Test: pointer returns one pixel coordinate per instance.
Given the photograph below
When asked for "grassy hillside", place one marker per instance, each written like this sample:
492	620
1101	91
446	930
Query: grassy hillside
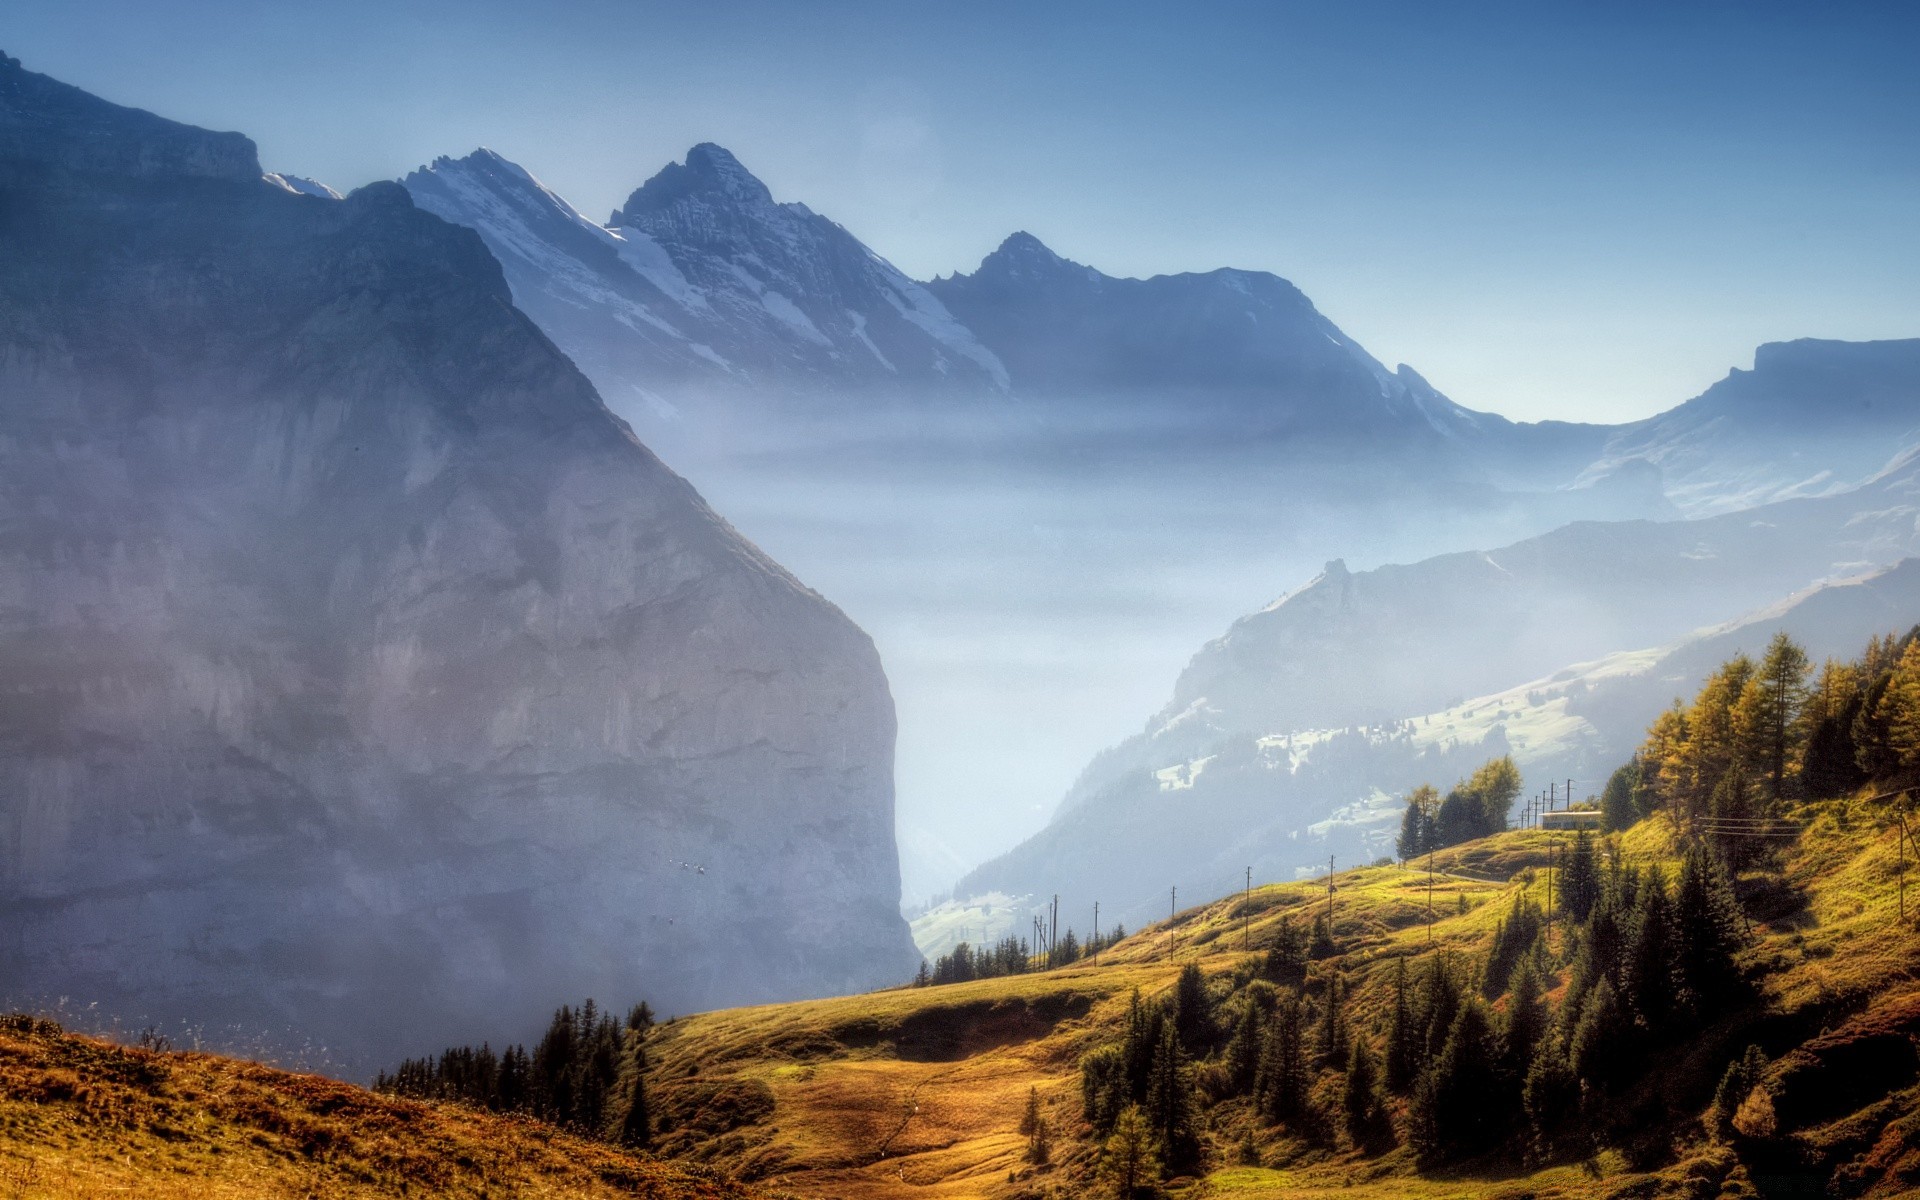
82	1119
920	1092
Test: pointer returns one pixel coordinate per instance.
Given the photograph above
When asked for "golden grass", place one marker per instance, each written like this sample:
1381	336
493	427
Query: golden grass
85	1120
918	1092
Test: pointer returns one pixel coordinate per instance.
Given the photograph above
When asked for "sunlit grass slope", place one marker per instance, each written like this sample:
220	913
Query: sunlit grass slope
86	1120
919	1092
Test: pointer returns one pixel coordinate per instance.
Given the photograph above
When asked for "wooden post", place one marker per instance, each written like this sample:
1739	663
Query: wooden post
1246	916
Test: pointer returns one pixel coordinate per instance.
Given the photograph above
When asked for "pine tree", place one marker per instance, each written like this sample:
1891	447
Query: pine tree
1331	1034
1322	946
1286	962
1708	933
1766	715
1360	1102
1898	712
1649	960
1580	881
1618	809
1192	1011
1467	1107
1439	1004
1873	751
1170	1104
1551	1092
1602	1043
1406	1037
1829	767
1743	1074
1030	1116
1282	1078
634	1126
1243	1048
1040	1144
1103	1086
1130	1163
1416	824
1526	1023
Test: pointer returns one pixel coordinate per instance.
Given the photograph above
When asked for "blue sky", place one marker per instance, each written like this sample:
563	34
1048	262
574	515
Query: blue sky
1586	210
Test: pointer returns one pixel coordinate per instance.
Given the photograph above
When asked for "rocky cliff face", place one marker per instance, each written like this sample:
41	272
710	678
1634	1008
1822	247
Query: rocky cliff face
362	680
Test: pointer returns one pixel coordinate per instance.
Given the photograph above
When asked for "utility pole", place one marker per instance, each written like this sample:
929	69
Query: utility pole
1246	916
1902	818
1553	853
1569	795
1096	923
1429	896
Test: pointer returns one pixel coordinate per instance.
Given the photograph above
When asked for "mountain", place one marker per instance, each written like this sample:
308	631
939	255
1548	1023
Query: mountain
1243	347
1812	417
1292	736
366	678
1046	463
704	300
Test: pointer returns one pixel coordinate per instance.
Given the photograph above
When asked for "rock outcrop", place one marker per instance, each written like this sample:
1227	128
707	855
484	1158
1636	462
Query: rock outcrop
363	681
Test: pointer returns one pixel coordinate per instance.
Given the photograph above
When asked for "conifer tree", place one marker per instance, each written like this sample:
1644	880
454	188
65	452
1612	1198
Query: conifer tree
1282	1082
1649	973
1766	715
1602	1041
1030	1116
1406	1036
1743	1074
1551	1092
1829	767
1287	958
1526	1023
1243	1048
1466	1106
1618	807
1170	1104
1897	712
1192	1011
1331	1033
634	1125
1416	824
1322	946
1360	1102
1708	932
1130	1163
1104	1091
1580	880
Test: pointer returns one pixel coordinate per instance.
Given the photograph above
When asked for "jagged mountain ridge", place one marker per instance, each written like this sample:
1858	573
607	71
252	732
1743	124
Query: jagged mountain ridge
702	283
368	682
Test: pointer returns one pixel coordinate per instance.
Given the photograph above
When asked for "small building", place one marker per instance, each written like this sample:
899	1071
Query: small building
1578	818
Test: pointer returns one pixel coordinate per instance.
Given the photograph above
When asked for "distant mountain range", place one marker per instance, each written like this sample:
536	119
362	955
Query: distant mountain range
1040	453
1295	734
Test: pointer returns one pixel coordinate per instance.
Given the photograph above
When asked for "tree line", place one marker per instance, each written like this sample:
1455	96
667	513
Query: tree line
1474	808
1758	735
1011	956
587	1073
1470	1051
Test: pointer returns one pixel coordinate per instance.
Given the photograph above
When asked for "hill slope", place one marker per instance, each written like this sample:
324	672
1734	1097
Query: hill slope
919	1092
82	1119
